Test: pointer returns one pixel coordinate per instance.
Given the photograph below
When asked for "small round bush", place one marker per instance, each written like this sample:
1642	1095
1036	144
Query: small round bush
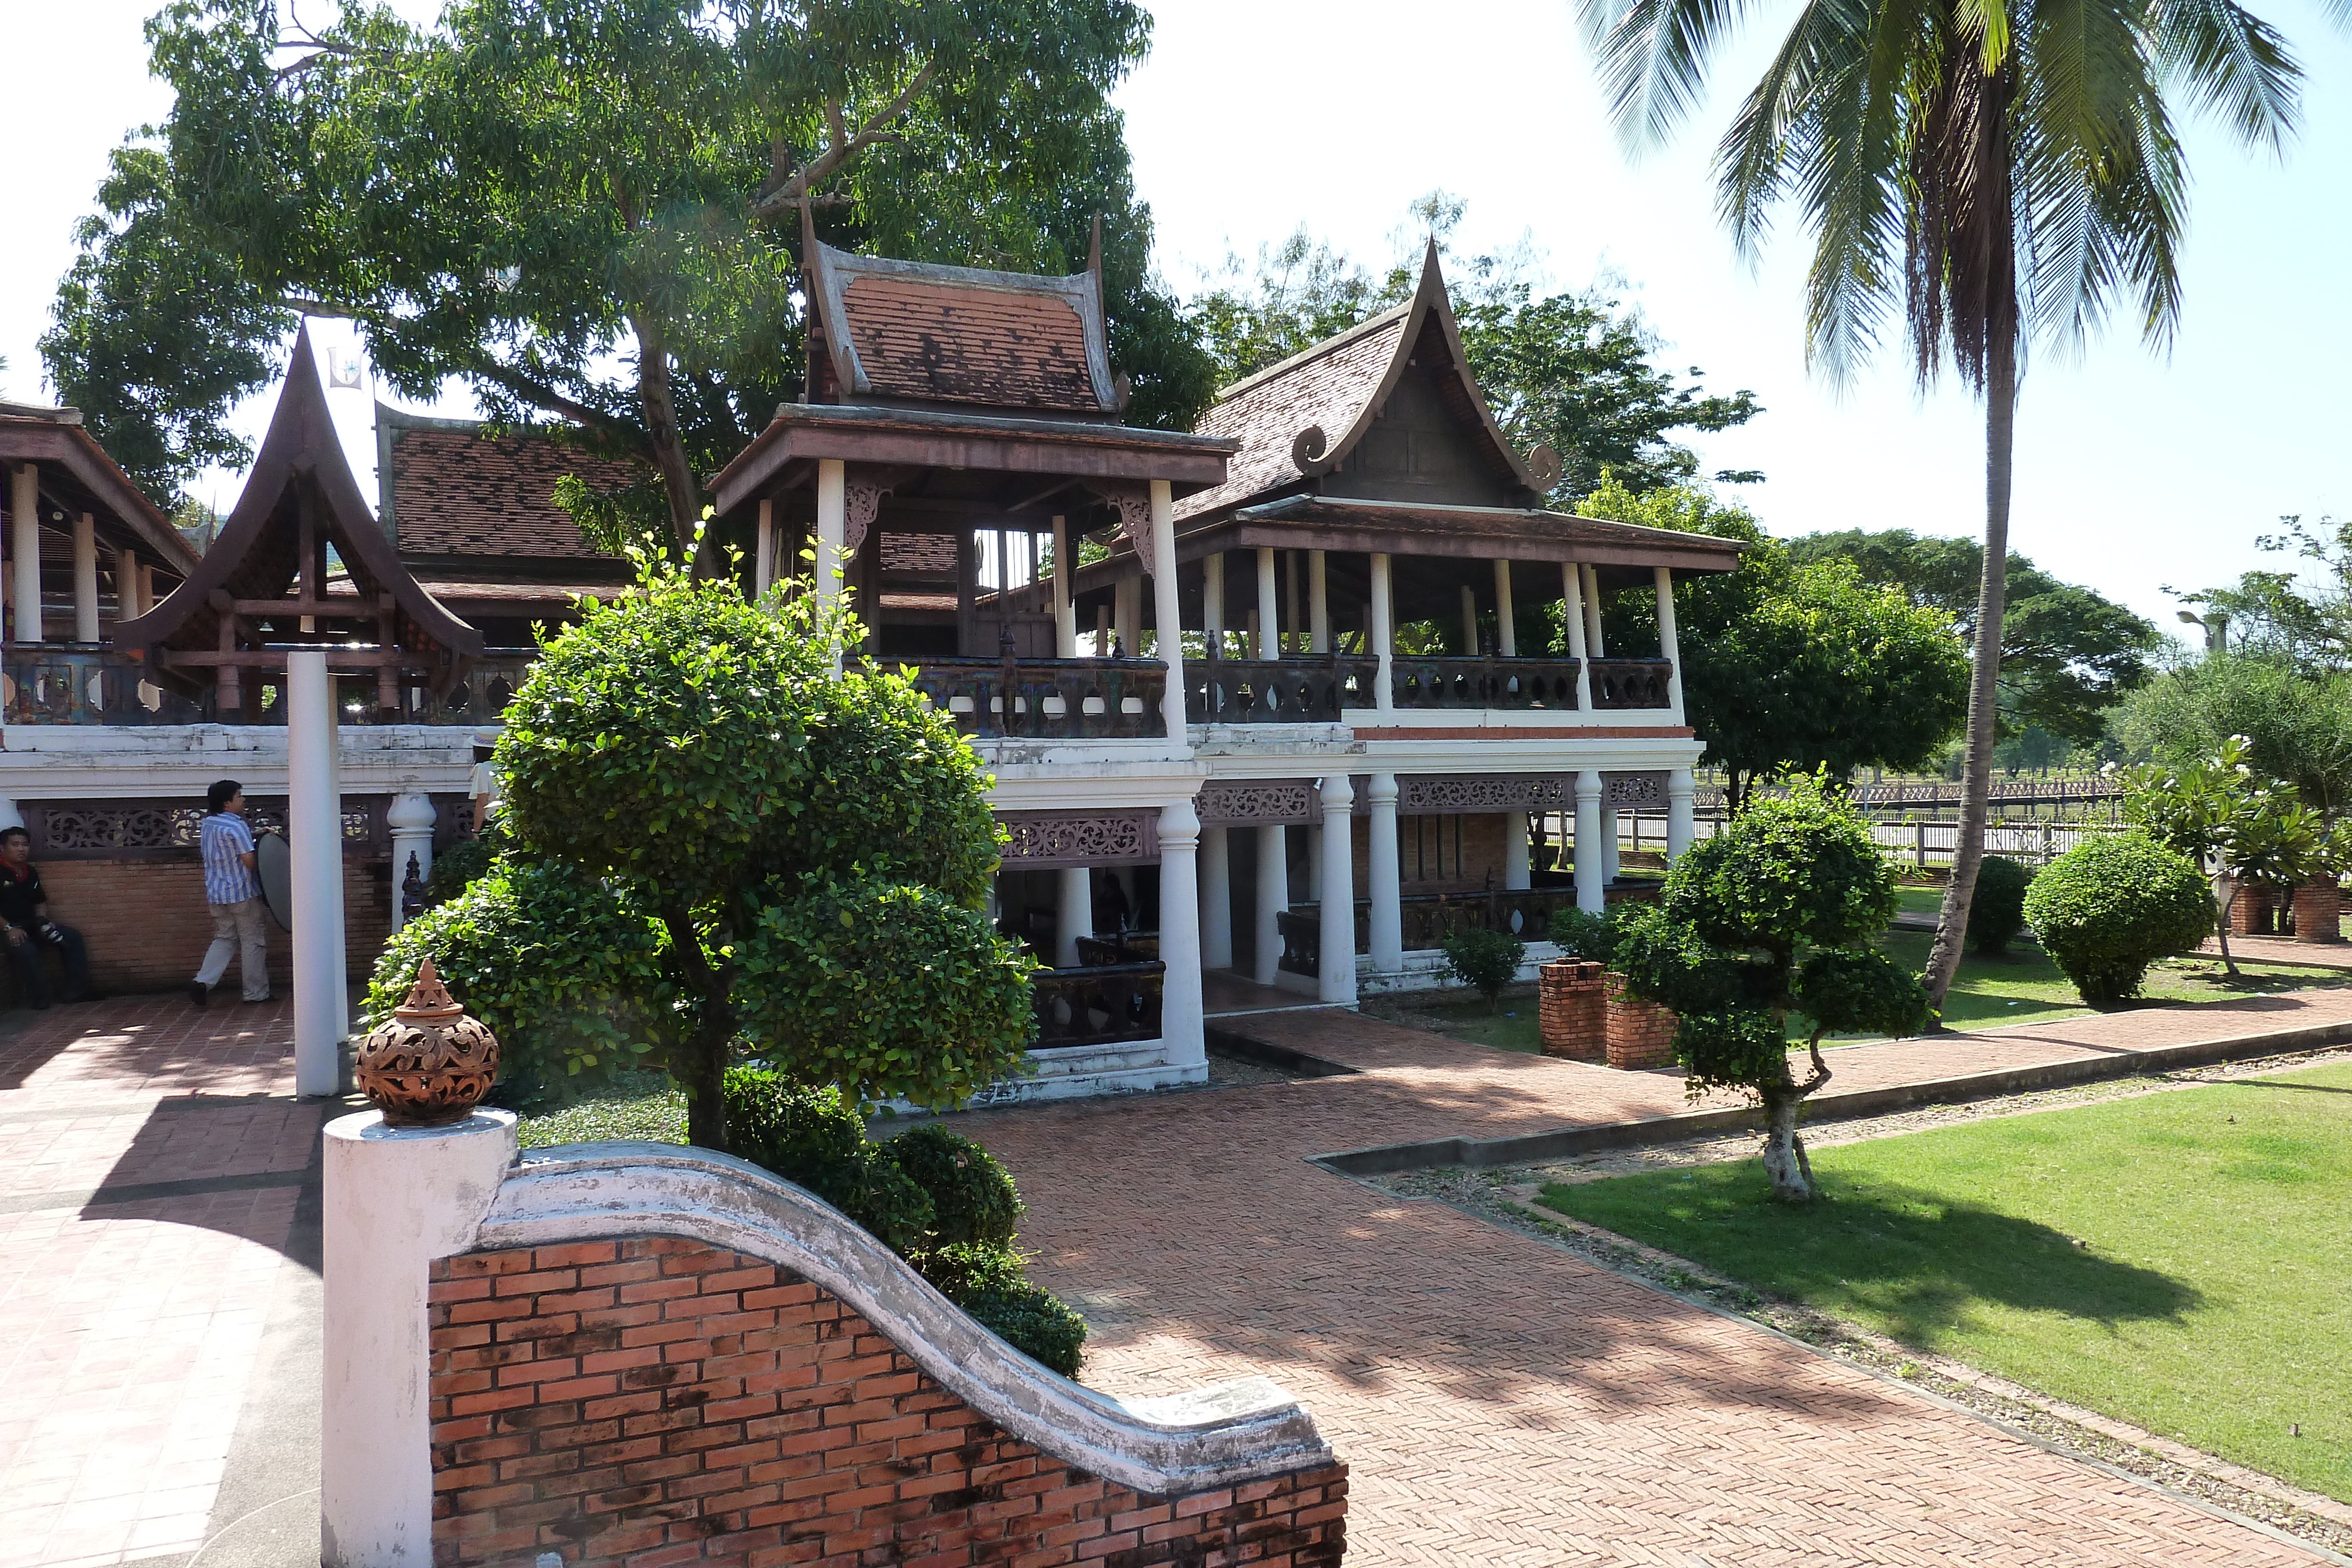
1484	959
1996	913
814	1137
2112	905
989	1281
972	1196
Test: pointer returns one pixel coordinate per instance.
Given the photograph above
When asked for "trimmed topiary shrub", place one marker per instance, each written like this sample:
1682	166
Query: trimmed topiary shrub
2112	905
972	1196
1486	959
990	1281
1996	913
814	1137
1581	935
456	867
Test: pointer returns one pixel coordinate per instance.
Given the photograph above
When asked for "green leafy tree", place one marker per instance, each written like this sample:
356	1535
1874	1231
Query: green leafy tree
1988	174
1805	666
1997	912
2068	654
818	848
1778	914
2302	618
588	211
2297	727
2237	824
1576	371
2112	905
1484	959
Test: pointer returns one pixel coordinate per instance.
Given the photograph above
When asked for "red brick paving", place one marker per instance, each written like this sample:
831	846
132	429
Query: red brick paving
128	1331
1500	1402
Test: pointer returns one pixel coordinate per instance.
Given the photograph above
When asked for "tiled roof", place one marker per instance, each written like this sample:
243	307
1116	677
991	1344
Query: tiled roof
919	555
1328	385
920	338
451	490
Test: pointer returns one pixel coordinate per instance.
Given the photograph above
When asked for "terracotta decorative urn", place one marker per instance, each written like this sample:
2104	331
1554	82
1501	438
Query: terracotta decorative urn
430	1063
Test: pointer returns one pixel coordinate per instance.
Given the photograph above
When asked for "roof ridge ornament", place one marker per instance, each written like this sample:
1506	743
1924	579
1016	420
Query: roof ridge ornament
1544	468
1306	449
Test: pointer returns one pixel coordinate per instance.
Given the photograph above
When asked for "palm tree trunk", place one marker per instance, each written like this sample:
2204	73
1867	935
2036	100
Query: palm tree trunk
1993	603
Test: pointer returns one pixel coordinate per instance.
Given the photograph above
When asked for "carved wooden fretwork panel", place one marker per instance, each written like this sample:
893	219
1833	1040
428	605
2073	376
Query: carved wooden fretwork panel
1134	507
863	500
108	830
1051	840
1441	794
1634	791
1264	804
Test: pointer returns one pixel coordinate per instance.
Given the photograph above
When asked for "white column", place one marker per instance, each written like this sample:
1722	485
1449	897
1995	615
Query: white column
1517	877
314	832
1591	873
1074	913
1669	645
1572	589
395	1199
1681	827
1318	602
1213	600
1384	636
1179	932
1127	599
1336	889
128	605
85	578
1469	623
1216	898
1507	631
1267	631
1168	613
24	506
1273	899
10	817
1593	610
1065	604
411	818
832	525
1382	884
763	557
1608	847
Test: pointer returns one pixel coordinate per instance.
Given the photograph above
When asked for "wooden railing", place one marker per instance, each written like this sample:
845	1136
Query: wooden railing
1427	919
85	683
490	682
1630	682
1484	683
1099	1004
1125	947
1060	699
1310	690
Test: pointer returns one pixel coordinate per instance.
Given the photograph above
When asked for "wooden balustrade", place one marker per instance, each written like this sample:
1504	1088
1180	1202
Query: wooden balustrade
1427	919
1059	699
1630	682
1099	1004
1484	683
85	683
1312	690
1124	947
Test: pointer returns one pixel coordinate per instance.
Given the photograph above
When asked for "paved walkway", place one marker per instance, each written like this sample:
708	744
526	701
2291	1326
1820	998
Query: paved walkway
1501	1402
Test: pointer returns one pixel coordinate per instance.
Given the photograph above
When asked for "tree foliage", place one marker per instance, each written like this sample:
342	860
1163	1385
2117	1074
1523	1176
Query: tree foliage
2112	905
2301	619
2229	820
1997	914
1778	914
2297	727
588	211
1576	371
818	846
2068	654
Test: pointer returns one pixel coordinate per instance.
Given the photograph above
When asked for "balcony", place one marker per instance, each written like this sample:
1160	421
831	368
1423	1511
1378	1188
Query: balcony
1050	699
85	683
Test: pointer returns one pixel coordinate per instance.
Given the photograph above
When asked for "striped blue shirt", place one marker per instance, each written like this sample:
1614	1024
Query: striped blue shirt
228	879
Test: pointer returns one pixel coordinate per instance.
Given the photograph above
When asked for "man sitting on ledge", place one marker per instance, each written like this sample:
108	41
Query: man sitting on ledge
26	908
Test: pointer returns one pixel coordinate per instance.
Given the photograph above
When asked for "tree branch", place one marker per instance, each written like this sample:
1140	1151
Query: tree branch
806	178
532	389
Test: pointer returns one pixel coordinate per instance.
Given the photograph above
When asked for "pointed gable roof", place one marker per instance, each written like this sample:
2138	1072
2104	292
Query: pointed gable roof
1303	418
920	332
300	467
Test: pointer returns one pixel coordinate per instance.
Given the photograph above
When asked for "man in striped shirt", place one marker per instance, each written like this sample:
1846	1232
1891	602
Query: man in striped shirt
232	893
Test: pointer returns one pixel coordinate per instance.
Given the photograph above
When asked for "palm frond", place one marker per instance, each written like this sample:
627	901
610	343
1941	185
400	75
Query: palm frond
1654	56
2224	60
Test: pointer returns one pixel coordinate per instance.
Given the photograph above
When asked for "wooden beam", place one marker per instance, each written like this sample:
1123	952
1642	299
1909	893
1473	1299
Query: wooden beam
351	660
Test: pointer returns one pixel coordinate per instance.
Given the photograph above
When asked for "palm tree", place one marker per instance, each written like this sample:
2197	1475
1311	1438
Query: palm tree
1999	171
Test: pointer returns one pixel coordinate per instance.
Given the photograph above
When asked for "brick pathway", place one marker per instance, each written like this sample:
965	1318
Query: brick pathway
150	1157
1501	1402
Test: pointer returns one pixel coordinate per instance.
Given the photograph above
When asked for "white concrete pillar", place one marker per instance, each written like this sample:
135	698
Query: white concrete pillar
1572	588
1384	636
1592	865
1127	600
1318	602
1216	898
1682	791
25	506
1517	875
1609	846
1266	632
1593	611
1507	631
128	605
1213	600
1382	884
1669	644
1469	623
832	525
395	1199
1181	1008
411	818
1168	612
1074	913
1273	899
1336	888
1065	604
763	559
85	578
314	832
10	817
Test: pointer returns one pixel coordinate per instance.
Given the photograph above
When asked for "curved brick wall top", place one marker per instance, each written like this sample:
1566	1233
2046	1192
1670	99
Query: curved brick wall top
1217	1436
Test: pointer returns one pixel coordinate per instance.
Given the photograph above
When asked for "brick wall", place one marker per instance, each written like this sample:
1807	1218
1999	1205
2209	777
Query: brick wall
1572	1010
2251	913
656	1401
1641	1034
2318	912
147	927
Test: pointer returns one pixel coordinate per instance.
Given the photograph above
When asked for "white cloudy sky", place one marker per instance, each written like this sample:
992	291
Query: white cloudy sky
1254	116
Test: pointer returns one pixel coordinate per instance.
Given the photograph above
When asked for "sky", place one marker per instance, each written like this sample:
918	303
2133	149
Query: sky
2135	471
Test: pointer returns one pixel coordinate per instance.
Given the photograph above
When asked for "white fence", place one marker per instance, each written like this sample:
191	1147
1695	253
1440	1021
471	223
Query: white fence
1920	844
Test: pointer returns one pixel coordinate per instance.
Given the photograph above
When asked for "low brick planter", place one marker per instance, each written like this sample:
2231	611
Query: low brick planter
1572	1010
1641	1034
2319	912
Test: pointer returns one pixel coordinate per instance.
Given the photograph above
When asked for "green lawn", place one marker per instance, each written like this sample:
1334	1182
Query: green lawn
2177	1260
645	1105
